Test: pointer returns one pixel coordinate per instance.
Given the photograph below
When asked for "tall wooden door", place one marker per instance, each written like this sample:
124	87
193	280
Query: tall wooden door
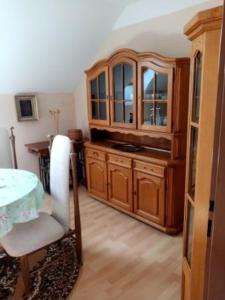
97	178
120	186
216	261
204	32
149	197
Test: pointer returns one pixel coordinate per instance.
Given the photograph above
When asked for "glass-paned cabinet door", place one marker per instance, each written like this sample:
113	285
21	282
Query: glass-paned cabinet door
123	93
98	97
192	153
154	97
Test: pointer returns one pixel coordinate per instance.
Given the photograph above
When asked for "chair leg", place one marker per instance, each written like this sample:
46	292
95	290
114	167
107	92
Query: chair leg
25	272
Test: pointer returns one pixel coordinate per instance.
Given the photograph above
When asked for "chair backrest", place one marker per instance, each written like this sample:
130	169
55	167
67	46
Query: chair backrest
5	150
59	179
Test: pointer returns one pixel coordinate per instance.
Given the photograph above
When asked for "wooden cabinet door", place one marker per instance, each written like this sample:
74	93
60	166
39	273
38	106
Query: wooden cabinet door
98	97
123	93
149	197
155	93
97	178
120	186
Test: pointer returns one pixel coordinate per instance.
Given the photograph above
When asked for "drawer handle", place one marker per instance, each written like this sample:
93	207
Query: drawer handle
95	153
119	161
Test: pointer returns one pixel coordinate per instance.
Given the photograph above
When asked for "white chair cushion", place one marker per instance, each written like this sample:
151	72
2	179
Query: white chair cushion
59	179
28	237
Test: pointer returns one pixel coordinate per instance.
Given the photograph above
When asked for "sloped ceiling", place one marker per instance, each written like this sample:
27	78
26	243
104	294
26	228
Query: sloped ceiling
45	45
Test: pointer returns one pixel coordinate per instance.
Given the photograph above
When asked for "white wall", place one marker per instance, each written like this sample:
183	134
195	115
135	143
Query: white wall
34	131
45	45
162	34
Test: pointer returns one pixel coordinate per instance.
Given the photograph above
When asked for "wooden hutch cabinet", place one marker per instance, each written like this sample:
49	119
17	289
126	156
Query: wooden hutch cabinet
204	30
145	101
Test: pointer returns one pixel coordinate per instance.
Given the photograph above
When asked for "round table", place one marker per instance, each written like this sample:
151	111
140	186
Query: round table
21	198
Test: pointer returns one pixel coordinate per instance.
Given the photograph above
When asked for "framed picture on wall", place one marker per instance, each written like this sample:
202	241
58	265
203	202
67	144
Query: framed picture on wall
26	107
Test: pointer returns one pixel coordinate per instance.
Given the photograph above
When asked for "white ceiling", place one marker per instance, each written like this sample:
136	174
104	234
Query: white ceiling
121	2
46	44
142	10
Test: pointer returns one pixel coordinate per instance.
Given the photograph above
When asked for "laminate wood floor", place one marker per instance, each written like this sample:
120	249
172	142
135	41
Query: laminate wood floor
125	259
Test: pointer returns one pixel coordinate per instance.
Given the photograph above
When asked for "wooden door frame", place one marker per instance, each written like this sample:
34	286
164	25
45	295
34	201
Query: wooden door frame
216	263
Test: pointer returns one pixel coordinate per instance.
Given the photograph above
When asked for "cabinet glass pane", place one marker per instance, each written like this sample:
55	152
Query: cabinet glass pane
102	86
190	225
128	82
94	107
193	157
197	87
148	76
161	114
102	110
161	86
118	82
94	89
118	112
148	113
128	106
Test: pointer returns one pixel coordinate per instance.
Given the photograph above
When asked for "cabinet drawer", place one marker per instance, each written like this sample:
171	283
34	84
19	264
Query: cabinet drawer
92	153
120	160
149	168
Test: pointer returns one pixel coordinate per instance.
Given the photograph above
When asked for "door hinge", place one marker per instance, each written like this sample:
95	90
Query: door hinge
210	221
209	230
211	205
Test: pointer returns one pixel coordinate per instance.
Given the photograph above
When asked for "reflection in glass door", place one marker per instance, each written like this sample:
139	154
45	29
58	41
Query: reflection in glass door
155	96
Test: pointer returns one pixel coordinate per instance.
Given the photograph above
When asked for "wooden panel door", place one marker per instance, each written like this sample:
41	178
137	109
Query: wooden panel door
123	92
120	186
204	31
155	93
98	97
97	178
149	197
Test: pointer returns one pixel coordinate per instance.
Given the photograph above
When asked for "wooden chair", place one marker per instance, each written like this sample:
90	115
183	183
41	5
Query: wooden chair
7	152
30	237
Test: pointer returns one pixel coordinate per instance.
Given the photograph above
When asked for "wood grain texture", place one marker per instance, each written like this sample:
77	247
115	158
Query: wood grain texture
204	31
159	203
125	259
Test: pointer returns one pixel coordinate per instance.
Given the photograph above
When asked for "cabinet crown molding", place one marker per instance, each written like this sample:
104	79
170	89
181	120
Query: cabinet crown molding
203	21
136	56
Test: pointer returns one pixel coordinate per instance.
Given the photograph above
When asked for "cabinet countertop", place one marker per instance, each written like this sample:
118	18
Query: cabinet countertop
147	155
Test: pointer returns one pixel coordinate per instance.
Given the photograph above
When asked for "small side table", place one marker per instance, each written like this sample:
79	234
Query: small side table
41	150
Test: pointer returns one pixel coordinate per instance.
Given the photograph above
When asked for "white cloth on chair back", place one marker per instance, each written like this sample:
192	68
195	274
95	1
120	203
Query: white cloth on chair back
59	179
5	150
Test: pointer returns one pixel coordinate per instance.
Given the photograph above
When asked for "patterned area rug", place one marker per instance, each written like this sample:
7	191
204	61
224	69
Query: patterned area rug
9	270
52	278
